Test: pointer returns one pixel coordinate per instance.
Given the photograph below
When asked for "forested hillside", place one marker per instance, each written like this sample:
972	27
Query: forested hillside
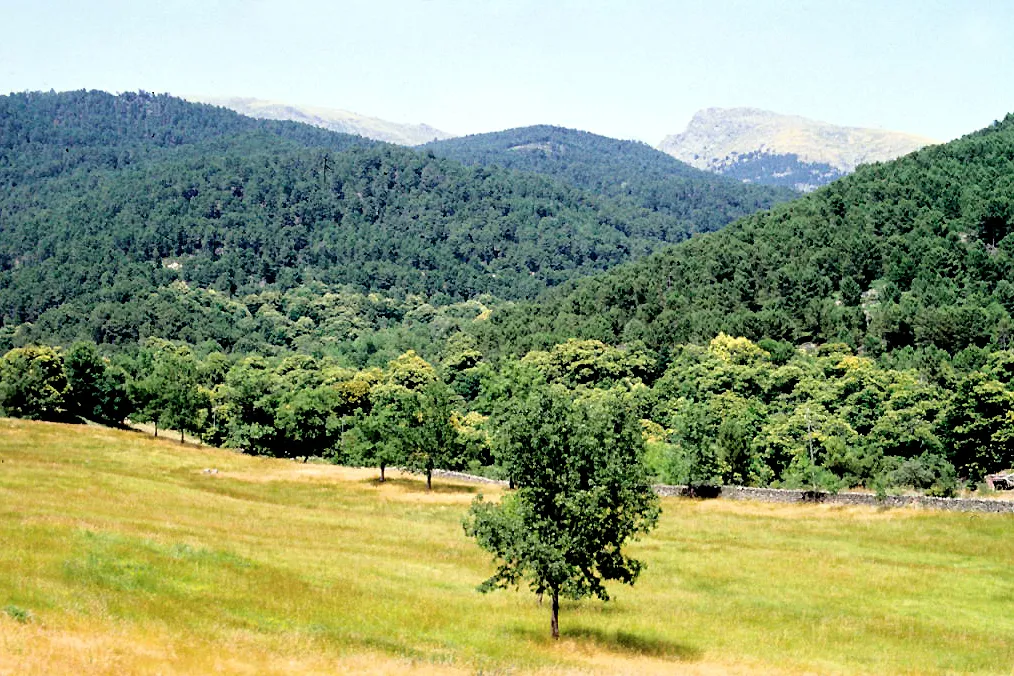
352	300
912	254
764	168
112	200
46	134
697	201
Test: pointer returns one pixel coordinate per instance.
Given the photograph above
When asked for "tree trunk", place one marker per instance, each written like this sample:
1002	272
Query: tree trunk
181	436
156	429
556	615
429	479
381	472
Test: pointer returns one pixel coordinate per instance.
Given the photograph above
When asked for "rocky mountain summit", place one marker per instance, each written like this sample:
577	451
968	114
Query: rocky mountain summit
758	146
334	119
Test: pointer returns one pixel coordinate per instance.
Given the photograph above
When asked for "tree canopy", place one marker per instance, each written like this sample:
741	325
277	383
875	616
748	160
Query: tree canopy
914	253
136	216
694	200
582	491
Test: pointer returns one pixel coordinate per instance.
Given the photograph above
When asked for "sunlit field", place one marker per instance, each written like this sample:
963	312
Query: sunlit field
120	554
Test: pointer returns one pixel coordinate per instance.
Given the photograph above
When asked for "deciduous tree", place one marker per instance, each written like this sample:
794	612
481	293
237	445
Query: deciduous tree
582	493
32	383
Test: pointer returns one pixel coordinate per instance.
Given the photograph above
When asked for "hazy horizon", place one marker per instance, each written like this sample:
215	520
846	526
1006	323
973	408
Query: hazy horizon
636	70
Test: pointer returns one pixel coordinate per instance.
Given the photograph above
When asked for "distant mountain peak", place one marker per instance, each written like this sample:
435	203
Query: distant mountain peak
335	119
765	147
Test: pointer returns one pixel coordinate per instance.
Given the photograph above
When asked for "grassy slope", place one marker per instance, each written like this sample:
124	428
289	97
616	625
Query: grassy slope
132	560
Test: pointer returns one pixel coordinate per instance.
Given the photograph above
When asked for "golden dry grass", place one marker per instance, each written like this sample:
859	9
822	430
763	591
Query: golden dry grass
130	559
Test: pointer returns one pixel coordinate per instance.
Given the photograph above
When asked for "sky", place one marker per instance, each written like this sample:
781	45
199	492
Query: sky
634	69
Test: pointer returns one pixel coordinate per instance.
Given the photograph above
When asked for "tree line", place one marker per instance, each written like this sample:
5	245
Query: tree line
731	412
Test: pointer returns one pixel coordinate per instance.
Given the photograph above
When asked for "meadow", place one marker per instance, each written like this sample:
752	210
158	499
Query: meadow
120	554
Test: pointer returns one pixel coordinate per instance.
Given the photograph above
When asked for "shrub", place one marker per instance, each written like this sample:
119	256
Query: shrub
18	614
928	472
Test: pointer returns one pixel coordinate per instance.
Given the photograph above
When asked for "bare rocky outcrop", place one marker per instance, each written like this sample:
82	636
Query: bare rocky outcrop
722	139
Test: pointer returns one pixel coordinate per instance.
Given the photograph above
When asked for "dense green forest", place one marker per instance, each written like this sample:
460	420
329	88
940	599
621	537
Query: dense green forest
631	171
109	201
47	134
288	291
911	255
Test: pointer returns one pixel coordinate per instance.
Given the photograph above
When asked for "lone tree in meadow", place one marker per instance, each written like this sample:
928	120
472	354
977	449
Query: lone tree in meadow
582	492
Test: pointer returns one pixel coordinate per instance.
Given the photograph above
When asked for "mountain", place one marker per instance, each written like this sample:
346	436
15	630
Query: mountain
342	121
758	146
137	215
691	200
48	135
914	254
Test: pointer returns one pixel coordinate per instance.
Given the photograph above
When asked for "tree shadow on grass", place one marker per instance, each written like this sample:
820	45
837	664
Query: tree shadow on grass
623	642
419	485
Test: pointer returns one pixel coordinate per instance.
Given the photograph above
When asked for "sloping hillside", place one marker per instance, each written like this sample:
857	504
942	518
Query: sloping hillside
126	555
915	253
758	146
43	134
628	170
111	201
333	119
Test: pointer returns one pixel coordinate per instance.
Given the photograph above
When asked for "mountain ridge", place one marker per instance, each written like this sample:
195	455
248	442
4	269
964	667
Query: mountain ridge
629	170
333	119
111	202
766	147
913	254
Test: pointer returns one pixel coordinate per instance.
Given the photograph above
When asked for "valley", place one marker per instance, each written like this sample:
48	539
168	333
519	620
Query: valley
576	315
507	338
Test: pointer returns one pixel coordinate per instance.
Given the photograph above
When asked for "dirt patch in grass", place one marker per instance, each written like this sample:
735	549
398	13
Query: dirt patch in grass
399	486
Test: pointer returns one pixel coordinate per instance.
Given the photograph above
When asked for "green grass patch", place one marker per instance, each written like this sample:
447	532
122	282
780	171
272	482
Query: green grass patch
121	544
18	614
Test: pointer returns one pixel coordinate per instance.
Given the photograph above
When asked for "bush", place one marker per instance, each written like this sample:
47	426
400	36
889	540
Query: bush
18	614
928	472
815	479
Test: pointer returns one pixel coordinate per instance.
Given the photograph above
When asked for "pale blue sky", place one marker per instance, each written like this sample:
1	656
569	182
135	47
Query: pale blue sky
636	69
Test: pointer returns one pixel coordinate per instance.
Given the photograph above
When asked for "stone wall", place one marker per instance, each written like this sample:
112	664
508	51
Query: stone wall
801	496
461	476
867	499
